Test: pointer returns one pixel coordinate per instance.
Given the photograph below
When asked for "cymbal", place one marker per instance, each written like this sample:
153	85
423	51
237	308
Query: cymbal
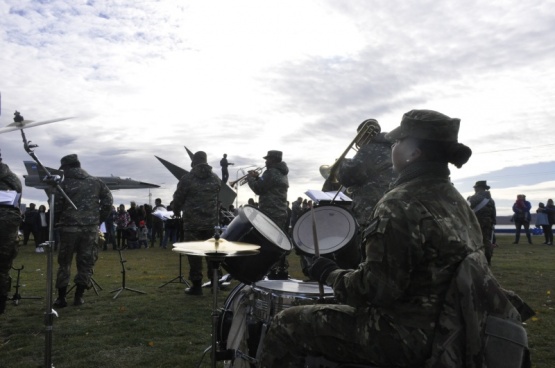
214	248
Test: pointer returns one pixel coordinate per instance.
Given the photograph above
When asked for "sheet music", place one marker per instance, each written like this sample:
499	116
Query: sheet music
9	197
321	196
163	214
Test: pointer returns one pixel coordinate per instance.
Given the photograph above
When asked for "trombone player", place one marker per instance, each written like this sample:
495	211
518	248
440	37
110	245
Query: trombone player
271	187
365	177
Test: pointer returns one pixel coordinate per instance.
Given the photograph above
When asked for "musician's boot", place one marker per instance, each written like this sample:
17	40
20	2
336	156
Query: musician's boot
61	300
196	289
78	300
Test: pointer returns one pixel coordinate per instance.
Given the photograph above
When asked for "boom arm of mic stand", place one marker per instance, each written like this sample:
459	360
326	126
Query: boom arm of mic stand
52	180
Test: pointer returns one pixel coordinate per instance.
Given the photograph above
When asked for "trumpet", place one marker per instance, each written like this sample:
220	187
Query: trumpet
368	130
243	179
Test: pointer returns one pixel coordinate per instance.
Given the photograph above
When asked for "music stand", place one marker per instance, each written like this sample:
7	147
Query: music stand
178	279
123	287
16	296
216	250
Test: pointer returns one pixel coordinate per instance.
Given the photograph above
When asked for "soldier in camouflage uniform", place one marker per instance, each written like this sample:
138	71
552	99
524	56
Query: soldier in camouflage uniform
484	207
78	227
10	218
272	189
197	196
418	234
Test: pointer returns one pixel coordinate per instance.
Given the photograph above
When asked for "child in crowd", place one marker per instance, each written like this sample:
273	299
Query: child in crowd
142	234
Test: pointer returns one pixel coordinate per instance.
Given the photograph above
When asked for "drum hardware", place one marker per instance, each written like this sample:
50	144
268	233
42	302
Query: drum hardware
16	296
216	250
369	129
54	182
123	287
179	278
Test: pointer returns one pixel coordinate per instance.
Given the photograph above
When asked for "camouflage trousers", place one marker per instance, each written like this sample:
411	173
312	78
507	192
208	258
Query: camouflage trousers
487	235
82	242
9	225
195	262
342	334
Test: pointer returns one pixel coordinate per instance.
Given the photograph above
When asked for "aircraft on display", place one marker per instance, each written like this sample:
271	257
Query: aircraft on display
227	195
35	174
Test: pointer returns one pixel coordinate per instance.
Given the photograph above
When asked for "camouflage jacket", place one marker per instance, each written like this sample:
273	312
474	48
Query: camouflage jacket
197	196
272	188
8	180
367	177
419	233
487	214
90	195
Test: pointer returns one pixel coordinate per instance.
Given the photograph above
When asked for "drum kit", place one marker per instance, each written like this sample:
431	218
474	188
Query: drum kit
250	245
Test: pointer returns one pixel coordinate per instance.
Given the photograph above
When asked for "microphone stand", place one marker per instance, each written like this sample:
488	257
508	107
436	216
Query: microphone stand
54	182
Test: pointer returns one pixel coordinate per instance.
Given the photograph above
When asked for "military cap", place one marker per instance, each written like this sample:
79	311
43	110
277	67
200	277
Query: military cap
199	158
69	159
481	184
426	124
274	154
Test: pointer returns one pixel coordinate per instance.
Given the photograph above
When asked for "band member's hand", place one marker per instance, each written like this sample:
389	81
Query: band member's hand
321	268
254	173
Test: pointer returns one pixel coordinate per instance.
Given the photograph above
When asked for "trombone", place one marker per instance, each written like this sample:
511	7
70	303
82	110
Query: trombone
368	130
243	179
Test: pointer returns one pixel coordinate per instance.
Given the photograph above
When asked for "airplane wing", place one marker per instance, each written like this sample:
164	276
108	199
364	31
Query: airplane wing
227	195
28	124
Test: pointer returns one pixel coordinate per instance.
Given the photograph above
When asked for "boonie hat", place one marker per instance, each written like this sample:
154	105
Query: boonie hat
426	124
274	154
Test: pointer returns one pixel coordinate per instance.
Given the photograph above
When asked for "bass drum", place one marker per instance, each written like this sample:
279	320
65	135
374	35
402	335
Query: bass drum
249	310
337	232
254	227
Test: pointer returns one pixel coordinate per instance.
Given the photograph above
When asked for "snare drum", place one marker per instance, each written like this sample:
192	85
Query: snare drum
254	227
337	232
249	310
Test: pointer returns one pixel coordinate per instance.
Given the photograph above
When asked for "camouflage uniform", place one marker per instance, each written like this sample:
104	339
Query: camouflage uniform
79	227
10	218
419	233
197	196
486	217
367	177
272	188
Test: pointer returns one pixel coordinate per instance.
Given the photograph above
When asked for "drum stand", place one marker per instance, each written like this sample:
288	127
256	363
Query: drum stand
178	279
17	297
123	287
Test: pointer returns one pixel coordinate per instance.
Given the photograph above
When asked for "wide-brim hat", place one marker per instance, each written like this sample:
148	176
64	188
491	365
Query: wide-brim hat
278	155
426	124
481	184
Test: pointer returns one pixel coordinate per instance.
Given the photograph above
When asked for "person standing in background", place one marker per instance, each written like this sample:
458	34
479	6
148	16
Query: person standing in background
484	207
522	217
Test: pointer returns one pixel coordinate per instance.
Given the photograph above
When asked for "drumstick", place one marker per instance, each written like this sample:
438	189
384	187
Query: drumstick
316	250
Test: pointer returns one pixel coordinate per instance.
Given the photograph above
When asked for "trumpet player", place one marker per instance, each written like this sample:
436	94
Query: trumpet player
271	187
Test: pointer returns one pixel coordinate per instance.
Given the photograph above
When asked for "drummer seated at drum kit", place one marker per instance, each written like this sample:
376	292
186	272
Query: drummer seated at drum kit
424	266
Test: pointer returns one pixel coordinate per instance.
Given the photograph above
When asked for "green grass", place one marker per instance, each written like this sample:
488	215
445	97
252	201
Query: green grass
165	328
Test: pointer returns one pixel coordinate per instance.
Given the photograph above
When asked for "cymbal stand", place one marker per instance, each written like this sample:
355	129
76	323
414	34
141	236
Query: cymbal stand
54	182
178	279
123	287
16	296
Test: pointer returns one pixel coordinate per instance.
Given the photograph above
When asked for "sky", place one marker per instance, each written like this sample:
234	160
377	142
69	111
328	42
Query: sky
146	78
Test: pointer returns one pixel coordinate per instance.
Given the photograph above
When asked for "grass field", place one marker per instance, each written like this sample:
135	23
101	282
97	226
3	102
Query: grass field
164	328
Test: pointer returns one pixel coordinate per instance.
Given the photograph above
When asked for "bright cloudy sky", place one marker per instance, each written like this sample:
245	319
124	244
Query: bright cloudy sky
145	78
